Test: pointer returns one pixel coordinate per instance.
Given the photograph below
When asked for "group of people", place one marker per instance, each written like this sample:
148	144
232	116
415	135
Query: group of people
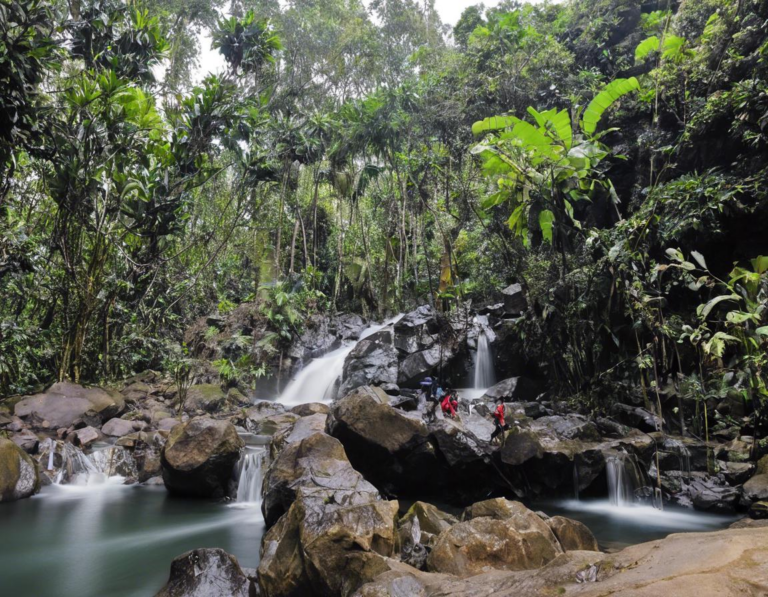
433	393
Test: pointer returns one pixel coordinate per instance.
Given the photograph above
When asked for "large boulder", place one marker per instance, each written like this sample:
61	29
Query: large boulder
208	572
389	446
320	547
205	397
635	416
373	361
495	535
18	473
64	403
572	534
514	299
120	427
431	522
317	462
199	458
514	389
418	365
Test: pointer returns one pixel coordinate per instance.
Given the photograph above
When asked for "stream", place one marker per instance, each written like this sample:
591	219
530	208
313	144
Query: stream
105	539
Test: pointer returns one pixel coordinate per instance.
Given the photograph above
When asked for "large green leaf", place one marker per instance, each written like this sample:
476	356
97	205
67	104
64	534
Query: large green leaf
494	123
546	223
558	124
645	47
704	310
604	100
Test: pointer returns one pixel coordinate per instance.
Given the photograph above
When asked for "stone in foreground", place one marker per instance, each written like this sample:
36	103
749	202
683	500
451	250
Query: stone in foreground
206	573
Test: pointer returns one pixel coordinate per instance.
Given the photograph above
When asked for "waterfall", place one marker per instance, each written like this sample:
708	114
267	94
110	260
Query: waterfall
623	479
484	374
78	468
317	381
251	467
683	455
576	481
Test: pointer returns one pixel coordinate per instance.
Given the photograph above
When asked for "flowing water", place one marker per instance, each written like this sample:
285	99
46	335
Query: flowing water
250	474
484	373
317	382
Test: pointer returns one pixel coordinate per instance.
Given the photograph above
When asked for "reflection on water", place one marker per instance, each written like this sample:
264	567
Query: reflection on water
112	540
615	527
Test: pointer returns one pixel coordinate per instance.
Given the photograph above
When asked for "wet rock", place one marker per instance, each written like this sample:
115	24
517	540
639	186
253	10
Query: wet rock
63	403
321	547
205	397
85	436
756	489
26	440
572	534
272	424
419	365
418	322
389	446
514	389
372	362
311	408
495	535
711	495
610	428
514	299
318	462
206	573
18	473
575	427
635	416
199	458
301	429
736	473
737	450
119	427
236	398
431	522
349	326
520	447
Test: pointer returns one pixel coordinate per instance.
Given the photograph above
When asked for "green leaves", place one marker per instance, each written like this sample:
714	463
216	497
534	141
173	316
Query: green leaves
704	310
645	47
493	124
604	100
546	223
674	48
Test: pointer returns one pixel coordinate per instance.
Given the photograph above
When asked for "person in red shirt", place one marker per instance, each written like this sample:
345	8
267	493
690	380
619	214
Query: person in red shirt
448	405
499	423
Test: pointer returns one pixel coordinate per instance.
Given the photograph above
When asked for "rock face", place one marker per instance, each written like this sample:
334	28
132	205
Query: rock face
205	397
514	299
206	573
199	457
64	403
495	535
373	361
431	522
635	416
572	535
390	447
315	463
18	473
514	389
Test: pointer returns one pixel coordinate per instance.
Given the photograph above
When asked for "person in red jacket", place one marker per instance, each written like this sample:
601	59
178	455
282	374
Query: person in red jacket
448	405
499	423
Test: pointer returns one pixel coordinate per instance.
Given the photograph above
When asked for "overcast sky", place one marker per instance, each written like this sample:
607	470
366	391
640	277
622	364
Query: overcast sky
450	11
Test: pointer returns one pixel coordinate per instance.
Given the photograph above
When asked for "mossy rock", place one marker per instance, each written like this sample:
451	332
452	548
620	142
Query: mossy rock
206	397
18	474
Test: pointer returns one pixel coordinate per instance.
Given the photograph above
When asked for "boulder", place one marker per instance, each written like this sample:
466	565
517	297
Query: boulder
205	397
26	440
272	424
321	547
711	495
371	362
349	326
316	462
514	299
635	416
758	510
736	473
208	572
18	473
514	389
84	437
520	447
756	489
495	535
389	446
311	408
199	458
431	522
423	320
301	429
64	403
119	427
572	535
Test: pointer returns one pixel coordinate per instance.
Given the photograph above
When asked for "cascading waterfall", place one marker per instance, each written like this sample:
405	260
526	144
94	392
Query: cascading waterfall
484	373
78	468
623	479
683	454
317	381
253	463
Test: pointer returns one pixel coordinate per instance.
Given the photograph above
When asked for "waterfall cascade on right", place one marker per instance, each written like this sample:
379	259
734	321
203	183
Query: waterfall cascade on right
623	479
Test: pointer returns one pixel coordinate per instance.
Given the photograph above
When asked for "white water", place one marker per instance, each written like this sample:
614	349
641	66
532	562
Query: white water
621	480
251	467
317	381
484	373
98	468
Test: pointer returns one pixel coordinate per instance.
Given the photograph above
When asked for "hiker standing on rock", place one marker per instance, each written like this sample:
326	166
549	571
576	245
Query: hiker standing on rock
499	422
429	386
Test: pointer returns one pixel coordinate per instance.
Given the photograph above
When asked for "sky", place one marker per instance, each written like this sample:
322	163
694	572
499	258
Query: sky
449	10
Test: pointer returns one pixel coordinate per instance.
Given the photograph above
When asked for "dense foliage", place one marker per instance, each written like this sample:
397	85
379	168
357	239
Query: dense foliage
609	157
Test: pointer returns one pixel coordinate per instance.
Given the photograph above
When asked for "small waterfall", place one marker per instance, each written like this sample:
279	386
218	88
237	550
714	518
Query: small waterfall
575	481
69	465
683	455
317	381
623	479
484	374
250	474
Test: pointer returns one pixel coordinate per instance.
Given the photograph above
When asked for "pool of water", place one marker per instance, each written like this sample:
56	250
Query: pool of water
113	540
616	527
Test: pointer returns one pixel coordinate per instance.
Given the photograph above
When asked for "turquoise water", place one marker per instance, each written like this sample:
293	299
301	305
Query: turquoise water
113	540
